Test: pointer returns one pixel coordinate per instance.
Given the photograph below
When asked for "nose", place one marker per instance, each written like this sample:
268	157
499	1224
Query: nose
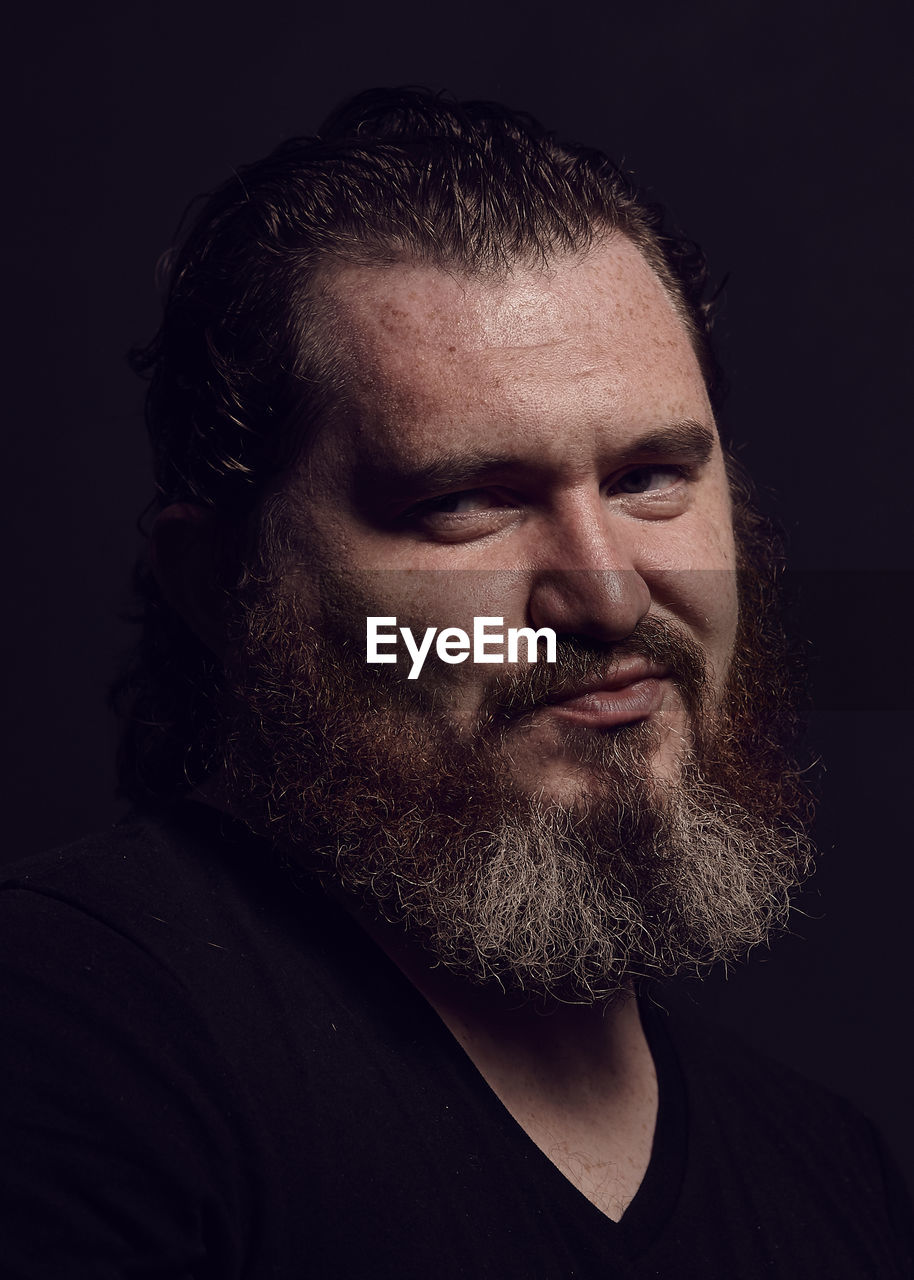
585	582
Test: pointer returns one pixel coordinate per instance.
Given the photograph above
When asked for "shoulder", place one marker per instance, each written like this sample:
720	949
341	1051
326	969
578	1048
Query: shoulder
144	855
736	1083
791	1145
191	1037
173	889
112	931
718	1062
160	932
193	916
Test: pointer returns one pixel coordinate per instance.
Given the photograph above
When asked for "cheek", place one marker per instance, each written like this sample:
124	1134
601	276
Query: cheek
419	600
695	584
705	602
718	601
713	601
719	589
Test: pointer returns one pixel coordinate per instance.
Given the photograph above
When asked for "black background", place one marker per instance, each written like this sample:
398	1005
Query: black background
779	135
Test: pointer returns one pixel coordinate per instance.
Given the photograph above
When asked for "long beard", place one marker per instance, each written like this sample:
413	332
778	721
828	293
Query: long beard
364	780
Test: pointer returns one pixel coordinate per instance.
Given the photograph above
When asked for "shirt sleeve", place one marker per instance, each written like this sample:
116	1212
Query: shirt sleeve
115	1152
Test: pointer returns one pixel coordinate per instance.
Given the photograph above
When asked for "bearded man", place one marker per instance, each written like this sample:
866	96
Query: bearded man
362	987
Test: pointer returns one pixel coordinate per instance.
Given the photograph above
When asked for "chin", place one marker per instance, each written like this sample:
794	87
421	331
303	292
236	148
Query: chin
666	764
573	779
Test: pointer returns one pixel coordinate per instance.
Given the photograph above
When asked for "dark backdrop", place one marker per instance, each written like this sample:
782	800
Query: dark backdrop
779	135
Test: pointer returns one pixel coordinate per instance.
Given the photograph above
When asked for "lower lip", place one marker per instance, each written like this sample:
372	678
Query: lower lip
605	708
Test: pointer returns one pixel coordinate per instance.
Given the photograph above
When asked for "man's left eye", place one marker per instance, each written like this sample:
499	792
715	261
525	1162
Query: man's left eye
647	479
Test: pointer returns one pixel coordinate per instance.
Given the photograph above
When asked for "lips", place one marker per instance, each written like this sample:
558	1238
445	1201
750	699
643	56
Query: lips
630	692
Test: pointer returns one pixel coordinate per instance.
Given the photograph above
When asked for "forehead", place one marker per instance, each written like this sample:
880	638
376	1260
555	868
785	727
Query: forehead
437	354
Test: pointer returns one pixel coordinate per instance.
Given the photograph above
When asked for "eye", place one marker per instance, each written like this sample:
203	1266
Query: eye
462	516
648	479
468	502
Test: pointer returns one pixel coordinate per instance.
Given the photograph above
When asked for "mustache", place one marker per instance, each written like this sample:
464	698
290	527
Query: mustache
519	692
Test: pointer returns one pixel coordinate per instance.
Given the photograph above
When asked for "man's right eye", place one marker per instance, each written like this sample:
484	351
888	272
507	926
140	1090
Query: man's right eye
467	502
461	516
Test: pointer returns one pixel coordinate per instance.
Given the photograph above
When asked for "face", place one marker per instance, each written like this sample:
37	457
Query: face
539	449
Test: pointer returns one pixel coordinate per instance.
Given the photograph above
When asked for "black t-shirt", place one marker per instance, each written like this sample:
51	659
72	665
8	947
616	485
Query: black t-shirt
207	1070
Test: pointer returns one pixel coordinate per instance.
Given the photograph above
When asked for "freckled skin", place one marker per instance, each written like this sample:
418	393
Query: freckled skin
559	371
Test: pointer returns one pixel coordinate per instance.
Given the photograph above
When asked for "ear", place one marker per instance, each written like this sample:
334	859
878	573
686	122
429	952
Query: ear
186	555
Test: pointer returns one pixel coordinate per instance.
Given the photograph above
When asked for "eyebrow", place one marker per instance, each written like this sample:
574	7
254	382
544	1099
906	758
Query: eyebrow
688	441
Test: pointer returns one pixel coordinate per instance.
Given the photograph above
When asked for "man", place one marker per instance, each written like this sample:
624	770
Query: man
365	988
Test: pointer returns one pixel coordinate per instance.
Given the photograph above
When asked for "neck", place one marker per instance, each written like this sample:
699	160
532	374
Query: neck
578	1079
565	1046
